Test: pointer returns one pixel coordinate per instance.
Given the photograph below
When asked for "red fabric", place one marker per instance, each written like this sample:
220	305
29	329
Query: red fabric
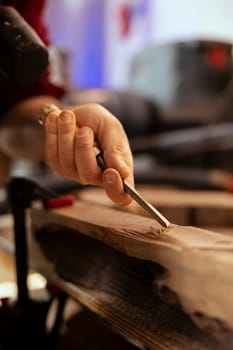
11	93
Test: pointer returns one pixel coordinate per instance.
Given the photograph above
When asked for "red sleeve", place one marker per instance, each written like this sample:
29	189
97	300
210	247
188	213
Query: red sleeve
32	11
12	93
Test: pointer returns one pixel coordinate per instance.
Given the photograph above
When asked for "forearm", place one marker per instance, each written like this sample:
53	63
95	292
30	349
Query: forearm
66	142
20	134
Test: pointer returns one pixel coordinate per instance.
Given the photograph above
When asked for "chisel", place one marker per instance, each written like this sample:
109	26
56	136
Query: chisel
101	163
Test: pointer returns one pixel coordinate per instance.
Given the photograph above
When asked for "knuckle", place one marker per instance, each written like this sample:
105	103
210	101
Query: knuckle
65	129
84	145
117	152
117	148
89	178
67	163
89	107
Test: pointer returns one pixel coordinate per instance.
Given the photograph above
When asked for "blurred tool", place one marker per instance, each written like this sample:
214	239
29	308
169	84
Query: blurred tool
186	141
208	146
23	56
192	81
191	178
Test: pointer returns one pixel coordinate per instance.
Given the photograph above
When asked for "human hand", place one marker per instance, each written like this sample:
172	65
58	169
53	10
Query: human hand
70	136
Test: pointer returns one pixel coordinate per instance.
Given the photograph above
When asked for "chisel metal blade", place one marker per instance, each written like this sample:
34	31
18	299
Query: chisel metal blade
133	193
145	205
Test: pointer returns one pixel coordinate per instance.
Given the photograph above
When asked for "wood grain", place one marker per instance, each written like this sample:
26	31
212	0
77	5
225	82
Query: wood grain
183	207
198	263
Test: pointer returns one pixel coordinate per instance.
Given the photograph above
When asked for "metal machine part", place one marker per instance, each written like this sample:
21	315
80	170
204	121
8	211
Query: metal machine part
23	56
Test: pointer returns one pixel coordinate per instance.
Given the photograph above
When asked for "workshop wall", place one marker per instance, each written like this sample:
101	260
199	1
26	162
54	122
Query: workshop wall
102	37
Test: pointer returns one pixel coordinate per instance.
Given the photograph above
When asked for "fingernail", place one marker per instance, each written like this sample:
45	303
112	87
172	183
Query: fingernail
51	118
66	117
109	179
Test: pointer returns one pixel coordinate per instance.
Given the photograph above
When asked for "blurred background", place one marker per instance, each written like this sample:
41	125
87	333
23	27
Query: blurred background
105	39
163	67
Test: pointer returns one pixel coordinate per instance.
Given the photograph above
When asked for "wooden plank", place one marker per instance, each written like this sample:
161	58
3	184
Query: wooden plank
197	263
117	288
184	207
7	267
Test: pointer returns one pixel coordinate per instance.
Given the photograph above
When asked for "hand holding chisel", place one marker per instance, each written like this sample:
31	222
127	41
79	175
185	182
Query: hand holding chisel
120	182
70	136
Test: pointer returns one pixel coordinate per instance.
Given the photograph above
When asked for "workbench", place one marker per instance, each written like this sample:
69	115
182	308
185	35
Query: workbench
114	283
